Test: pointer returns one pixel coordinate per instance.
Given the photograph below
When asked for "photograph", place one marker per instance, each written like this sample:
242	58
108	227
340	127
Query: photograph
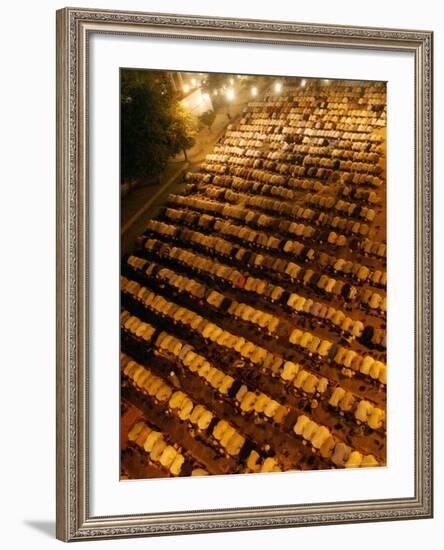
253	246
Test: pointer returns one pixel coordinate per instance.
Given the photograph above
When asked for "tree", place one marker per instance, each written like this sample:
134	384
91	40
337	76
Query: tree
215	81
207	118
184	129
154	127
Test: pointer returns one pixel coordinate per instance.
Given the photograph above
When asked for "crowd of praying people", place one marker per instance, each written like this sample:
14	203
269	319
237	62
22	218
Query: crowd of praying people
253	308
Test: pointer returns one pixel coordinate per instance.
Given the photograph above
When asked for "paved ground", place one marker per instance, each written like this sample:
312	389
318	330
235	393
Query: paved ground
143	203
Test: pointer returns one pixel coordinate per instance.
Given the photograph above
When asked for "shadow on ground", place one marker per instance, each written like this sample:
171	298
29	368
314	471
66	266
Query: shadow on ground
47	527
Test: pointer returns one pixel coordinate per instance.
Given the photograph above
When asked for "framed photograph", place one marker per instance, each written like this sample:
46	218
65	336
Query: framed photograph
244	274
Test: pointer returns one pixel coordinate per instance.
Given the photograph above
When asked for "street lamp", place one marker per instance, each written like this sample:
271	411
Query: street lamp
229	94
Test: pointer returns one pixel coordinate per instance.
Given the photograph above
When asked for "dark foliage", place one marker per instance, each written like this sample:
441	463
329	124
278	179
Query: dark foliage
154	127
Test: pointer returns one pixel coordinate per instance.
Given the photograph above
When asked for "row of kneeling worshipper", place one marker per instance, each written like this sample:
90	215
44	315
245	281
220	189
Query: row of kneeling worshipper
270	159
250	401
338	452
233	188
340	355
156	445
244	398
261	239
266	321
172	456
167	455
309	145
262	287
321	282
247	400
219	431
331	264
303	164
227	436
337	353
251	194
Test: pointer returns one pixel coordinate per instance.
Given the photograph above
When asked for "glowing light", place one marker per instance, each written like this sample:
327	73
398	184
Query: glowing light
186	88
193	82
206	97
230	94
239	76
215	92
254	91
231	81
278	87
303	83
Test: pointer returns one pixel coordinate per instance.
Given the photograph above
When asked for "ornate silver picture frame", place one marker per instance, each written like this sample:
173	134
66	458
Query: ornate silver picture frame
74	519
